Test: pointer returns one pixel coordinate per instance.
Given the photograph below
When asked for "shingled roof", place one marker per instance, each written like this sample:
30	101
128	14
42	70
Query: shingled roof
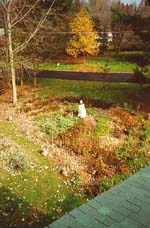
126	205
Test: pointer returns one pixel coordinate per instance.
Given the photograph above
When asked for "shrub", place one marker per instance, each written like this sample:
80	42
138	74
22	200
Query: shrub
142	74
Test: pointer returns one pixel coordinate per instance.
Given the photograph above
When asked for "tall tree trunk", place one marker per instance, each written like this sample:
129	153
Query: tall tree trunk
7	9
11	57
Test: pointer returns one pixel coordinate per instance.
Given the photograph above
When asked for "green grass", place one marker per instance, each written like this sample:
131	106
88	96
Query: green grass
93	64
106	92
34	197
9	129
112	65
53	66
109	182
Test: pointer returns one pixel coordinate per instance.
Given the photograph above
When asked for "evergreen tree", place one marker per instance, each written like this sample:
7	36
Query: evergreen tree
84	37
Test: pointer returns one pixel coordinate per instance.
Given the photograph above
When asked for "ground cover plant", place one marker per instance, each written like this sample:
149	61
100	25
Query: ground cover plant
57	161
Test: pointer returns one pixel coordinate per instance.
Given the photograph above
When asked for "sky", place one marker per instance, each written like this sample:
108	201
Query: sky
127	1
131	1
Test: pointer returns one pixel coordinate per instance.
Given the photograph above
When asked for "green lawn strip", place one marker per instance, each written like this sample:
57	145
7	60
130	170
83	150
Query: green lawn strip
112	65
98	64
38	188
41	192
57	66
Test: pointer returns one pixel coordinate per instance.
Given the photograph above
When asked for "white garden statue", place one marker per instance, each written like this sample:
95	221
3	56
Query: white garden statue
81	110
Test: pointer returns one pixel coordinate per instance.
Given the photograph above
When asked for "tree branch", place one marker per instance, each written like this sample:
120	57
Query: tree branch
25	43
20	11
25	15
3	6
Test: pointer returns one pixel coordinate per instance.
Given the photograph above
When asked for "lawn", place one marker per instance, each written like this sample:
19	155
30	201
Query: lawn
30	196
51	161
97	64
108	93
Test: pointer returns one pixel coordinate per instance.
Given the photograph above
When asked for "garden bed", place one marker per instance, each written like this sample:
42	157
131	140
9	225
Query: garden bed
57	160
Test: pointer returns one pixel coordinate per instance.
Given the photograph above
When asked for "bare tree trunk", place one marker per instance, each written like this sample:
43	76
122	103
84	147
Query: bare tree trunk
35	81
11	57
7	10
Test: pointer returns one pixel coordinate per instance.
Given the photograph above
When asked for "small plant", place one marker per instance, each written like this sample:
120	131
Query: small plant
76	180
18	161
109	182
12	156
103	125
54	123
105	68
90	111
123	152
138	161
142	74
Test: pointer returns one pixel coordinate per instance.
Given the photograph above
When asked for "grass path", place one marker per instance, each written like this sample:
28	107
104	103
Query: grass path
35	196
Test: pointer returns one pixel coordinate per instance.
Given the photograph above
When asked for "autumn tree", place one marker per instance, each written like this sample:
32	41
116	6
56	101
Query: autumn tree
83	39
15	14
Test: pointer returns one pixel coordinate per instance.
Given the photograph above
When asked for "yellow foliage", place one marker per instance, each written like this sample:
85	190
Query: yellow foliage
84	37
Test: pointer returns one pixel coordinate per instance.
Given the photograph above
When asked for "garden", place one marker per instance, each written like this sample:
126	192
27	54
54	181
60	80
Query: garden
52	161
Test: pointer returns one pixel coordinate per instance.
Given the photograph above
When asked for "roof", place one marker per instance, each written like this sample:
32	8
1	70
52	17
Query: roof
126	205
